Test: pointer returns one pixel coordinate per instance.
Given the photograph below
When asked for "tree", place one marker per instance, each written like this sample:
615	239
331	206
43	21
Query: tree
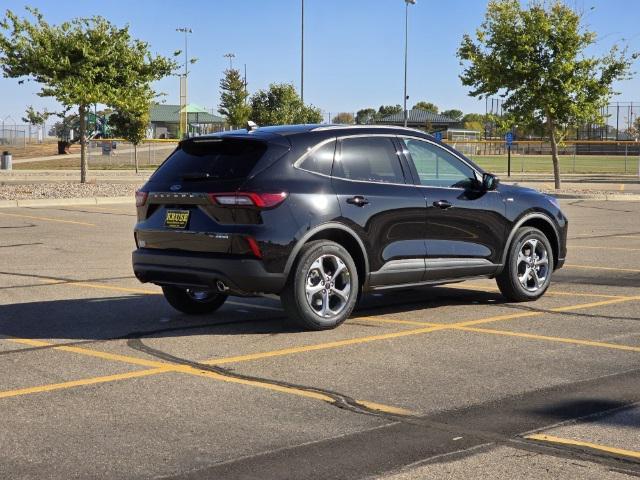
35	118
474	121
80	62
343	117
365	116
281	105
131	125
386	110
426	106
233	98
535	58
453	114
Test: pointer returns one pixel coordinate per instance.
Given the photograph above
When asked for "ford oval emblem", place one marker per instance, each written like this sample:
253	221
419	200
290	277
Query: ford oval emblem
173	188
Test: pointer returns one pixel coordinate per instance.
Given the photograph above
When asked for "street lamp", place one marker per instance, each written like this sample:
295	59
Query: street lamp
406	41
183	84
230	56
186	31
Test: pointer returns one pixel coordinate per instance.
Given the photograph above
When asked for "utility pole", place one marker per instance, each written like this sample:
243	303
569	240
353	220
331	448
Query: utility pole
302	53
406	48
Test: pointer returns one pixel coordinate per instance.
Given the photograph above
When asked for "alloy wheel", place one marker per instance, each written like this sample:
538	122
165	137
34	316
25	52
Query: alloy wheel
328	285
532	265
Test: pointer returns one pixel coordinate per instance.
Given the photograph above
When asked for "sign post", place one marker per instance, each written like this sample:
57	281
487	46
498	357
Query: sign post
508	138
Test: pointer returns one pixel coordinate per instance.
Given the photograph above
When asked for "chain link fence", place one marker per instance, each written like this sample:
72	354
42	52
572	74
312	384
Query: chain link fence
579	157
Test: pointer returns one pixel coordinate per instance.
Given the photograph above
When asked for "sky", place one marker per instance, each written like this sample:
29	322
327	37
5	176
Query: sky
354	49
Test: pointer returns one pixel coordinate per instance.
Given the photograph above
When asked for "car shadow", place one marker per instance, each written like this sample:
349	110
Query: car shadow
97	319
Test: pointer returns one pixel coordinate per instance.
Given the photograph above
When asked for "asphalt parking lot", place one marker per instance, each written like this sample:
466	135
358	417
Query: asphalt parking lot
100	378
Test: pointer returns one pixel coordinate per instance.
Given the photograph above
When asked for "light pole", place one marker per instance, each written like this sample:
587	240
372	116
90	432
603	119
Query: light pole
186	31
302	53
183	84
230	56
406	42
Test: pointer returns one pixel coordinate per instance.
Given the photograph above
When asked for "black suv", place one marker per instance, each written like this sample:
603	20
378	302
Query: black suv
319	214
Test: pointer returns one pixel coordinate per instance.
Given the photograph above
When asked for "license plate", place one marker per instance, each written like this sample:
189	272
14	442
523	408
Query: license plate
177	219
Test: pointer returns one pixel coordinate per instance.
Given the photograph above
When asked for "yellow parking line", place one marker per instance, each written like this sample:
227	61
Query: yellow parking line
559	293
319	346
606	248
47	219
428	327
384	408
577	443
294	350
594	267
80	383
161	367
597	237
573	341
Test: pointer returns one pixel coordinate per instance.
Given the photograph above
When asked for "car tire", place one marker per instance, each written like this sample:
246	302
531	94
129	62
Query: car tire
322	288
529	265
192	301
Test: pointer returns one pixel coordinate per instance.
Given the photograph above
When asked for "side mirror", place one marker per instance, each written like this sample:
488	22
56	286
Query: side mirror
489	181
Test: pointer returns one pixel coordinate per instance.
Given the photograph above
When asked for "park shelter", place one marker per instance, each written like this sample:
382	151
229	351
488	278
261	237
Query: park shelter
165	120
421	119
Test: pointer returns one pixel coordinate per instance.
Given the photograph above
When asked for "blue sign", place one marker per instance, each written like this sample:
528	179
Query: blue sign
509	138
438	136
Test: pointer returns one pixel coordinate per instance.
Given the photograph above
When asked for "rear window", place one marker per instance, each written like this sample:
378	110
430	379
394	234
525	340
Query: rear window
224	159
320	160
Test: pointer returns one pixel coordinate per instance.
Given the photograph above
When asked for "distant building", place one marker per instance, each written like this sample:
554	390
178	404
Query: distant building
165	121
421	119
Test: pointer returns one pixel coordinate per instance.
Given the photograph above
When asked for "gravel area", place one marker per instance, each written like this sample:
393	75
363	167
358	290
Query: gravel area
66	190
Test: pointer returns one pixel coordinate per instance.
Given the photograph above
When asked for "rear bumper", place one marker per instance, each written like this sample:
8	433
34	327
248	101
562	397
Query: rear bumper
243	276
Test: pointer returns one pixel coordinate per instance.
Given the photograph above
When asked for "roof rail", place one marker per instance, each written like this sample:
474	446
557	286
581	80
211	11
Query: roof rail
342	127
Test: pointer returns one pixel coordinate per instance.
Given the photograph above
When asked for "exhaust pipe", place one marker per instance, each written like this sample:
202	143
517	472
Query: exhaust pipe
221	286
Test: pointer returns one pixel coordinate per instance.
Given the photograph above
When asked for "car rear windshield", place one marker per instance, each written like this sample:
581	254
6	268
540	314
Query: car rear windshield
212	159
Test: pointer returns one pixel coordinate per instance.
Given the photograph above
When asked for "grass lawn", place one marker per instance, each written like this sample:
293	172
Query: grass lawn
568	163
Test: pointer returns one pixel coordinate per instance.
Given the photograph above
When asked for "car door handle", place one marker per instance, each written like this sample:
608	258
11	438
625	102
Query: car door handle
358	201
443	204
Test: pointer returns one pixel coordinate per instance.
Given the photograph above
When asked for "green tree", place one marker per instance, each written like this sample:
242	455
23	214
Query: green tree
80	62
281	105
426	106
474	121
386	110
35	118
343	117
535	58
131	125
233	98
453	114
365	116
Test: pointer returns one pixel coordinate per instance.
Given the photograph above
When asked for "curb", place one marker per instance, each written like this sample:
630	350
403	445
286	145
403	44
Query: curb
58	202
611	197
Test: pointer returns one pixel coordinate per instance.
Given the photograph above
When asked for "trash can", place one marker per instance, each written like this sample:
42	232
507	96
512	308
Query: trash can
5	164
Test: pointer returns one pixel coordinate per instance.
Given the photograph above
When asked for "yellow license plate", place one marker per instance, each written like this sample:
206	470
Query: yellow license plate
177	218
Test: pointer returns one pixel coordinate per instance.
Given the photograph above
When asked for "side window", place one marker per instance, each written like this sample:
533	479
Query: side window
320	160
372	159
438	168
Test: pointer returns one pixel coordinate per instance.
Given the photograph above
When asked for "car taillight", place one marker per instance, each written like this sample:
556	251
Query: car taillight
248	199
141	198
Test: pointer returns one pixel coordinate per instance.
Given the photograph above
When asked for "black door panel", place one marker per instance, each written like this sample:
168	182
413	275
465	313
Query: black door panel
387	213
462	222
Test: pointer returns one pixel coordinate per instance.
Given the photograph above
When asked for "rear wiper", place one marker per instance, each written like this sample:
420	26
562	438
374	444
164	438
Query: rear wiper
198	176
